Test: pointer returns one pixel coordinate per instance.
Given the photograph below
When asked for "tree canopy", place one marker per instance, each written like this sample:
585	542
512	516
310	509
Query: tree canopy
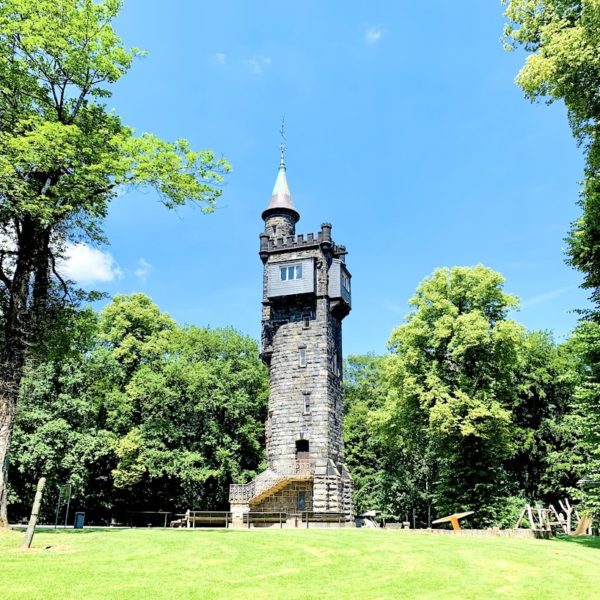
64	157
141	413
469	411
562	38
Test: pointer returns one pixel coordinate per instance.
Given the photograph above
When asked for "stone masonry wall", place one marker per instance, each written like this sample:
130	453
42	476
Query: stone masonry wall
293	387
286	500
305	402
280	226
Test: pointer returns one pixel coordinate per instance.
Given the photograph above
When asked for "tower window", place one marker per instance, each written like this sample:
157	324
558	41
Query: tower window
290	272
306	321
302	446
301	357
306	403
346	281
301	501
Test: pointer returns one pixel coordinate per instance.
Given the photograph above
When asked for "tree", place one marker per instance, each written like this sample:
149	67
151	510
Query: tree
60	431
140	413
563	39
189	405
364	393
547	426
64	157
586	343
451	376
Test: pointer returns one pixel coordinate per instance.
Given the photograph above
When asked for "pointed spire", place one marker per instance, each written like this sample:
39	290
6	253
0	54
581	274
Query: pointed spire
281	197
282	146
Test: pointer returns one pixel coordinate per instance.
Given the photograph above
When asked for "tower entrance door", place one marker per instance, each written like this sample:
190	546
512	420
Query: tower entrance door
302	456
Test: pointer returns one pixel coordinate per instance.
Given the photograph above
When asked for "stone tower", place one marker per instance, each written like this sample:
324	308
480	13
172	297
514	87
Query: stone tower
306	295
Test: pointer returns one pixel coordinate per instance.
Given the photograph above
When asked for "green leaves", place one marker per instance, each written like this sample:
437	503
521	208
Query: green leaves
563	37
162	415
66	42
177	172
452	373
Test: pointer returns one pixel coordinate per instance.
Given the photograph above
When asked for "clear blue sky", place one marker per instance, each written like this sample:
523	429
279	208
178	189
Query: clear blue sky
405	130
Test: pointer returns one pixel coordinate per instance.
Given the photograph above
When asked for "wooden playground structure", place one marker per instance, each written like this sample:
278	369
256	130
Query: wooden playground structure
550	519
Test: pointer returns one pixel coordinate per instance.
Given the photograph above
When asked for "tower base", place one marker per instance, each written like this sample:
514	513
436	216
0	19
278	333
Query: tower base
295	498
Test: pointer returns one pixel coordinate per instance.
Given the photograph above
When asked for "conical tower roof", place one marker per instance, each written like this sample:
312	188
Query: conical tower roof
281	197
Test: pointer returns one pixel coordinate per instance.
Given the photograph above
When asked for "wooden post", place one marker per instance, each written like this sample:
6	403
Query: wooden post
530	514
568	510
37	502
520	518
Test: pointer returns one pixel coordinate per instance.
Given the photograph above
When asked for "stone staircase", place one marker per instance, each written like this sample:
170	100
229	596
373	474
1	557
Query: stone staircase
270	482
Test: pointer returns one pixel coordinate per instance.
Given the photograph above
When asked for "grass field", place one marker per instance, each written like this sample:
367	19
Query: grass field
351	563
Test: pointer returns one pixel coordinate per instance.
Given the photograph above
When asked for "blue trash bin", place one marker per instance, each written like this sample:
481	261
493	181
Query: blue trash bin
79	520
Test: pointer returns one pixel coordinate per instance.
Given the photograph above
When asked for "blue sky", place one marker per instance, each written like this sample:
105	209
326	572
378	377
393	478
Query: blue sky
405	130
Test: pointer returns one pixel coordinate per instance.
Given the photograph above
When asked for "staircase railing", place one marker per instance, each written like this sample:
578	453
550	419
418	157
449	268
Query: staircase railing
267	479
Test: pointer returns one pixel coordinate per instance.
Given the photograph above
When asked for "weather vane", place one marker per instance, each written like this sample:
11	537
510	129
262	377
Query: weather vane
282	144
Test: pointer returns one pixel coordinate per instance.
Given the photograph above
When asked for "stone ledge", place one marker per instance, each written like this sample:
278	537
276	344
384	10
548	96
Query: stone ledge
491	532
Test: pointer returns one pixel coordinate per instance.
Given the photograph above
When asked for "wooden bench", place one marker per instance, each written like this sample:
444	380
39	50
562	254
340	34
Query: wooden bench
323	517
206	518
264	518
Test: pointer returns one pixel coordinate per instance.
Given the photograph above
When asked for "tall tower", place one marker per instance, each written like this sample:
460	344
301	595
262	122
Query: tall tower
306	295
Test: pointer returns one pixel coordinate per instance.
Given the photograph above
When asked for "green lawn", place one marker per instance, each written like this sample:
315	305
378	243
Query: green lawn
351	563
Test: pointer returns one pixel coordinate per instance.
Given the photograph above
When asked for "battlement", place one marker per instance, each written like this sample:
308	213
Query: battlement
300	241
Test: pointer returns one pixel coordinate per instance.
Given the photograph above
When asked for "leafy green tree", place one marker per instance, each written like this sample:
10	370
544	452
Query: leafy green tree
586	343
63	157
190	407
141	414
60	431
364	393
451	378
547	421
563	39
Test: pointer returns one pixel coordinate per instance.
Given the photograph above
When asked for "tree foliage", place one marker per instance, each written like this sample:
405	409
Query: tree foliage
142	414
364	393
479	414
586	345
64	155
563	39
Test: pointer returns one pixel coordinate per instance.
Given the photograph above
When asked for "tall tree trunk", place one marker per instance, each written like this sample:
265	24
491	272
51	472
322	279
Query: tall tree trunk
9	391
17	325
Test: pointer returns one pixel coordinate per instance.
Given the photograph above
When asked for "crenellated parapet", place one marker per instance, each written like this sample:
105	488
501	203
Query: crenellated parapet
270	244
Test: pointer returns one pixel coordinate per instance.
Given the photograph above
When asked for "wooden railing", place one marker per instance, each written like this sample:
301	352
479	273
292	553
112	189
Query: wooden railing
309	517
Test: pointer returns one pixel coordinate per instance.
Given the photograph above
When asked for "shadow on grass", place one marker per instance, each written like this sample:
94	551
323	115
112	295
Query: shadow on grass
71	531
587	540
121	530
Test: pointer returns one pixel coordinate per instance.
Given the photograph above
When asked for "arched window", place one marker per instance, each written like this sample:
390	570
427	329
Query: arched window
302	446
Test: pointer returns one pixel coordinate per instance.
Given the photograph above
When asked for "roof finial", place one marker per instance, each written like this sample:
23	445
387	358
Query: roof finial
282	146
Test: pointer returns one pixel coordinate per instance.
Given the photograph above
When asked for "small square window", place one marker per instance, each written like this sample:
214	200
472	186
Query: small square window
290	272
301	357
306	403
